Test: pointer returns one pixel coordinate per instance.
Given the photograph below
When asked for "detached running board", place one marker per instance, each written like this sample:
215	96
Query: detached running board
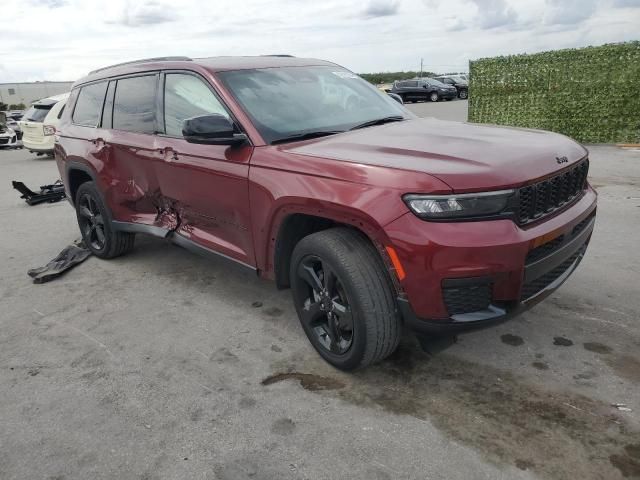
47	194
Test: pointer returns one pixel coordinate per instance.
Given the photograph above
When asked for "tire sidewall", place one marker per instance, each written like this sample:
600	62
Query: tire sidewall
353	357
433	97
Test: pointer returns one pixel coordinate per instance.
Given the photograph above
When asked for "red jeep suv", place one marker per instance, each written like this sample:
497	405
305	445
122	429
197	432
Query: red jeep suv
304	173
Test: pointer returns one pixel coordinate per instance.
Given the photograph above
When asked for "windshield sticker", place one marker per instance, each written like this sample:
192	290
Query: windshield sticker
345	74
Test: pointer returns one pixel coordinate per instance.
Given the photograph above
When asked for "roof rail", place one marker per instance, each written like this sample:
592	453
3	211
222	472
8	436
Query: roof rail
279	55
143	60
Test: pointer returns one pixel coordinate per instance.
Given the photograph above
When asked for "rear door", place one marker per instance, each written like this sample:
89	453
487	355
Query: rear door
207	185
129	126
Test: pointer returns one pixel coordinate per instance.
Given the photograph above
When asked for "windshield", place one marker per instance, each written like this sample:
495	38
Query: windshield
293	101
37	113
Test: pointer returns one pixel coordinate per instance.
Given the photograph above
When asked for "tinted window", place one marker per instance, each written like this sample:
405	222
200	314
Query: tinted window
135	104
187	96
37	114
89	104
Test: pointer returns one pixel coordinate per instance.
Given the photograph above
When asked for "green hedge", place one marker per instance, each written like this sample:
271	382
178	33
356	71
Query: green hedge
591	94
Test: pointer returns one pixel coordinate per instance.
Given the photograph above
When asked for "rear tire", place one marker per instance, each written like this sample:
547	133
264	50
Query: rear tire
344	298
94	220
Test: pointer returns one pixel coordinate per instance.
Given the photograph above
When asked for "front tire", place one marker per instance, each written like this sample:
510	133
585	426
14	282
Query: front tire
94	220
464	94
433	97
344	298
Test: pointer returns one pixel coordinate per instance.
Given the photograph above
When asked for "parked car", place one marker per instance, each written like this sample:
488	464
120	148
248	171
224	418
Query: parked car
15	114
40	122
8	137
15	126
423	89
461	86
376	219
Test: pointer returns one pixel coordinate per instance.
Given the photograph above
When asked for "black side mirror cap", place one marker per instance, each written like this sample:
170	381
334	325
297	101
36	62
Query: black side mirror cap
212	129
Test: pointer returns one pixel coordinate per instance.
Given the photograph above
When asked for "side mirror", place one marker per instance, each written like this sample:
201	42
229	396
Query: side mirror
213	129
425	86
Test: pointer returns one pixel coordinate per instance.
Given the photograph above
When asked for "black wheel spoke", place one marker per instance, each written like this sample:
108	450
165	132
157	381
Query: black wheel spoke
309	275
344	314
329	279
311	311
333	333
98	219
99	234
85	212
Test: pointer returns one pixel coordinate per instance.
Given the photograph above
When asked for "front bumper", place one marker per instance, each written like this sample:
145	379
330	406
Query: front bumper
514	267
8	140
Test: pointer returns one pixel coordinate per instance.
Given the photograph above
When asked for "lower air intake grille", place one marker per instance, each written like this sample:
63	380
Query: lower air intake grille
536	286
467	298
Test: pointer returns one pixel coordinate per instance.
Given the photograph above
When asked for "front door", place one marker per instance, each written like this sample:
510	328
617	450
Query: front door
206	185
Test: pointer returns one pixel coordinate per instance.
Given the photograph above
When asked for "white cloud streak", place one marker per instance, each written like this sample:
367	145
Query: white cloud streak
365	36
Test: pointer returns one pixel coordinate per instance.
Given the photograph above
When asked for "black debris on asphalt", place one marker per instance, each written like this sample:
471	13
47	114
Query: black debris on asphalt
68	258
47	194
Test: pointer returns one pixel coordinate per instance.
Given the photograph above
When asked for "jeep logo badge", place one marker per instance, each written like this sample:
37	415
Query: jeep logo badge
562	159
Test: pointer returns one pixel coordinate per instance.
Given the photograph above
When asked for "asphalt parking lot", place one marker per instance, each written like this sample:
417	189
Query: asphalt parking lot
163	365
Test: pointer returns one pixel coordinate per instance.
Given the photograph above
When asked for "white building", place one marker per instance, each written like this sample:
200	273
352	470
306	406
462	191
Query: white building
29	92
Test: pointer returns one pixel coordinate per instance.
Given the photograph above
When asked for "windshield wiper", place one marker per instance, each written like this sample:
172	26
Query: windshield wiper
306	136
379	121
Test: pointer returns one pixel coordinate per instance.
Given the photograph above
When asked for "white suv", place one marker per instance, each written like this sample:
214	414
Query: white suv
39	124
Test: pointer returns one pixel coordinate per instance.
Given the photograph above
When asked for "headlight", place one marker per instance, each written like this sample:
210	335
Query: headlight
468	205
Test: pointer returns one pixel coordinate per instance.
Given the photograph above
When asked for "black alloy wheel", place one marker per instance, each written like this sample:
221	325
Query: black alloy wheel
325	306
94	220
344	298
91	222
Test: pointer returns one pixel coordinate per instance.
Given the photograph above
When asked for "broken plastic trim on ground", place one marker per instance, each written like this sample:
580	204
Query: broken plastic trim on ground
68	258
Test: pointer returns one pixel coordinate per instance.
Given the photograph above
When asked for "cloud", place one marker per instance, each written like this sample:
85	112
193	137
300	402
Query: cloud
149	12
381	8
626	3
569	12
49	3
494	14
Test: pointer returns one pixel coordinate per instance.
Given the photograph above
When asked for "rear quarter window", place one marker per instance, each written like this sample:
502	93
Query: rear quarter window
89	104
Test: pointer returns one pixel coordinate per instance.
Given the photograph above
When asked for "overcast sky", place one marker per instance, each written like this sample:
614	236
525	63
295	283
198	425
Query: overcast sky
64	39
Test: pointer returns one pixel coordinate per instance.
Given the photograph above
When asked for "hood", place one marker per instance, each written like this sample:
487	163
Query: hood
468	157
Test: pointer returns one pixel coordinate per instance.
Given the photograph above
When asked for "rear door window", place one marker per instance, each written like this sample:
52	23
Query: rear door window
89	104
187	96
134	105
36	113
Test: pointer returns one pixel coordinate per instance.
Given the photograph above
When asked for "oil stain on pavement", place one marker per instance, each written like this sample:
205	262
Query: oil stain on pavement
554	434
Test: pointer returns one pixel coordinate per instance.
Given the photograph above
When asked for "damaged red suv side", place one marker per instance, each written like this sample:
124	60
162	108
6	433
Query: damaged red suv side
303	172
